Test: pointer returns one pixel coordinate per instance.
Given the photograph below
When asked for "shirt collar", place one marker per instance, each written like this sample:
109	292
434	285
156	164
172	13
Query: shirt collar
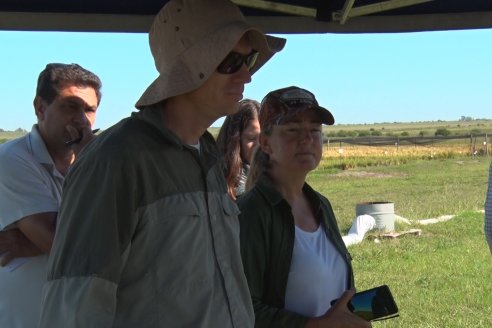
152	115
38	147
39	151
274	197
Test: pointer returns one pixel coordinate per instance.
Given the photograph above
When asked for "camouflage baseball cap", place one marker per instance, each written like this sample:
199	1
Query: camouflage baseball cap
280	105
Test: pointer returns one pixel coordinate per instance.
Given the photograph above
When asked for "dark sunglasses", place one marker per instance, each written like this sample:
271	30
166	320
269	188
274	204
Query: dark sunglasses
234	61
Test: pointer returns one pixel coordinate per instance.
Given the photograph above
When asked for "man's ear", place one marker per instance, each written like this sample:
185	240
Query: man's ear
39	107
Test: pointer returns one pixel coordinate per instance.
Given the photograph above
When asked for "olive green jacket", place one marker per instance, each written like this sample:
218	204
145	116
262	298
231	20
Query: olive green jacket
147	236
267	241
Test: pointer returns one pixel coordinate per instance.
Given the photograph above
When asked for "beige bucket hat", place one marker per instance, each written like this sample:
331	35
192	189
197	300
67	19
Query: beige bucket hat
188	40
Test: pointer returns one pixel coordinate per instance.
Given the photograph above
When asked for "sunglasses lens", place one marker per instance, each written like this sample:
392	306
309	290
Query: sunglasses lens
251	60
231	64
234	61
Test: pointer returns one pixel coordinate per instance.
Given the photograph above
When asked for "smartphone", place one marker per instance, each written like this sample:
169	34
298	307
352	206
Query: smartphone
373	304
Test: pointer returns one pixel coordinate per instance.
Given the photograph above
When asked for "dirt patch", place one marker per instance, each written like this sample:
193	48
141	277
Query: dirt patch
365	174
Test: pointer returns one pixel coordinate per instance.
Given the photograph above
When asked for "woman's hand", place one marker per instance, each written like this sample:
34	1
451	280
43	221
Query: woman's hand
339	315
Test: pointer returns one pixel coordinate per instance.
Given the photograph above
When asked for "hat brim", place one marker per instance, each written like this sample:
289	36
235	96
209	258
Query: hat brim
266	45
179	80
326	116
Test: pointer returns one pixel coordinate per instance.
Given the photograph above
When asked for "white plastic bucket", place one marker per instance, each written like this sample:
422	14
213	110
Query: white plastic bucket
383	213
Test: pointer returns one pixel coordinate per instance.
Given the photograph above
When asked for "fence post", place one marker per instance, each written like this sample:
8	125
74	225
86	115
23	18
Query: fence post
486	144
471	144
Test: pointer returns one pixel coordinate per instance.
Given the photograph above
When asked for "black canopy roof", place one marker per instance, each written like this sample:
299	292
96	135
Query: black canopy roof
279	16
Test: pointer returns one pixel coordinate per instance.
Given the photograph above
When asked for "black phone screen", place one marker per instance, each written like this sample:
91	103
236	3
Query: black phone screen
374	304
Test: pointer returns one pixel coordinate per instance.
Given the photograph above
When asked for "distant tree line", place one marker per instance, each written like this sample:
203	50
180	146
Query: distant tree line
466	119
376	133
18	130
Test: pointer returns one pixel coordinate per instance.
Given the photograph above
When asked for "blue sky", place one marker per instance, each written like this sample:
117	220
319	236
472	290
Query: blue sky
361	78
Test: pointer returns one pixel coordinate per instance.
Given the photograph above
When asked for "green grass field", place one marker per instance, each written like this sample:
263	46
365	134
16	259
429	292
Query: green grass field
419	188
7	135
441	278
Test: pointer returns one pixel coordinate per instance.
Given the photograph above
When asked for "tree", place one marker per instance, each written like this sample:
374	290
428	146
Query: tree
442	132
20	130
475	132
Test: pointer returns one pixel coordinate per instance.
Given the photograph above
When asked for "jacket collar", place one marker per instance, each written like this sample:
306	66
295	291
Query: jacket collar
274	197
153	115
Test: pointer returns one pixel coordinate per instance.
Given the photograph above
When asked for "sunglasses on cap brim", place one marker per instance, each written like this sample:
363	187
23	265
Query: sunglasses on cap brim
234	61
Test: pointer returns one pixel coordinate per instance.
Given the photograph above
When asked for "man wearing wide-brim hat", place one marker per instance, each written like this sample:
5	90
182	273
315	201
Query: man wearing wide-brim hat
147	235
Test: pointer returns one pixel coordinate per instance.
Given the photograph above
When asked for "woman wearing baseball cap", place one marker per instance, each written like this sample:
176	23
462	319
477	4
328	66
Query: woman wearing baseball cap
294	257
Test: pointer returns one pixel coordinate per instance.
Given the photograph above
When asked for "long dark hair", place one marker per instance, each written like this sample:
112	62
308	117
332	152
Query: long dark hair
229	141
260	163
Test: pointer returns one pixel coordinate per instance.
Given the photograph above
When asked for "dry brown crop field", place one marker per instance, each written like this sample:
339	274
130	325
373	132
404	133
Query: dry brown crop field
342	156
436	150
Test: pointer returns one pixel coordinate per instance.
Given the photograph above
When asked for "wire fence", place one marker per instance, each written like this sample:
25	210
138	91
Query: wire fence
478	144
